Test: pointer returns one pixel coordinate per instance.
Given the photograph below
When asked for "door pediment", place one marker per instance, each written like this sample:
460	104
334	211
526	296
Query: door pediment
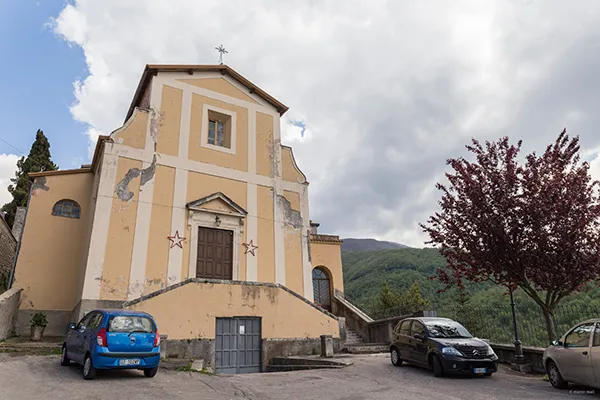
217	203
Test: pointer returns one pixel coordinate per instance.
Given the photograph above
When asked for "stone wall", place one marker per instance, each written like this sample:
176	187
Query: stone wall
204	349
19	222
57	322
9	306
533	355
354	318
8	248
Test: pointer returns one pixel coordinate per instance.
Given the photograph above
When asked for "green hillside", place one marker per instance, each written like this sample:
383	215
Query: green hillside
365	271
485	308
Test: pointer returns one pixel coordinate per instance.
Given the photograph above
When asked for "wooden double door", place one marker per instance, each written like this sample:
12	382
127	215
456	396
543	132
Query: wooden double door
215	254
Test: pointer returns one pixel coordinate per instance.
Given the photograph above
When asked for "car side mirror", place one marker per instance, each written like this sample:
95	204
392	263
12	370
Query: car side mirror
419	337
72	326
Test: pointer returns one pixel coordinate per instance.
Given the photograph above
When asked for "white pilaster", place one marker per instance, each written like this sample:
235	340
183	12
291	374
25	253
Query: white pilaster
252	233
278	212
178	218
100	225
306	264
178	224
139	254
140	240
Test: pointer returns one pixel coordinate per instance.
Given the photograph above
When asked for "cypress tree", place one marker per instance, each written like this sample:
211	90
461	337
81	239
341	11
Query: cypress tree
37	160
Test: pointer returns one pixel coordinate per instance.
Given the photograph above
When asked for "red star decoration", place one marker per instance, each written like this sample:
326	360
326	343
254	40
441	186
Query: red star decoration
250	248
176	240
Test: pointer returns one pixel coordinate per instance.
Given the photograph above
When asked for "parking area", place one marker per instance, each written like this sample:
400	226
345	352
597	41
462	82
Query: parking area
371	377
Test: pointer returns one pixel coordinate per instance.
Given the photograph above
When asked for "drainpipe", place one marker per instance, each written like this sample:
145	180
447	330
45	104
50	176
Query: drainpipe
12	271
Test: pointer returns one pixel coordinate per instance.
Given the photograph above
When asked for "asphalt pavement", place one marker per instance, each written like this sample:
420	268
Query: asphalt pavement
371	377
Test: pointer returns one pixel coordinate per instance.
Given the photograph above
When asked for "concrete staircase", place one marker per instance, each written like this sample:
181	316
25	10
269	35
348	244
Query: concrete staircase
355	344
352	337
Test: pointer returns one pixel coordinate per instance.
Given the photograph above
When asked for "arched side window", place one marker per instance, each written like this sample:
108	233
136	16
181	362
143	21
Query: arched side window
322	288
66	208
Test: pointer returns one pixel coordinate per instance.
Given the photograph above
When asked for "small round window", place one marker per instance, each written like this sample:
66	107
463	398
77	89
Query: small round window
66	208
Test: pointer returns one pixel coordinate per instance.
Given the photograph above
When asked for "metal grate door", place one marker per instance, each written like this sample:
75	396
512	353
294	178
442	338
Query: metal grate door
238	345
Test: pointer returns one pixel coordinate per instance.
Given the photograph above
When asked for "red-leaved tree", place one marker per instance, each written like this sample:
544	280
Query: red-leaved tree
532	224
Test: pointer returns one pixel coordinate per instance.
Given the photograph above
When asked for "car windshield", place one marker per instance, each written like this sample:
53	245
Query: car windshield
130	323
447	329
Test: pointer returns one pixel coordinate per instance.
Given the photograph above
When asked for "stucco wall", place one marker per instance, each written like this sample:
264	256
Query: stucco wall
157	259
290	171
237	161
9	305
328	255
121	232
50	259
130	254
133	134
190	310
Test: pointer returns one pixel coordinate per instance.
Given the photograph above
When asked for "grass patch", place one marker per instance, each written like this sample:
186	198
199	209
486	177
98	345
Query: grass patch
188	368
185	368
545	378
55	352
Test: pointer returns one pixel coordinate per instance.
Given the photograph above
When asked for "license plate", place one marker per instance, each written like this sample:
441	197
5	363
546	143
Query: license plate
479	370
132	361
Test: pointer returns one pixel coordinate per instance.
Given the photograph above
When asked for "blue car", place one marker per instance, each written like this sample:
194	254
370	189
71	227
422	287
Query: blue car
110	339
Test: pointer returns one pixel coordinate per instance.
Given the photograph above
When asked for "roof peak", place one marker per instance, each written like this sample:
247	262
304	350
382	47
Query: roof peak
152	69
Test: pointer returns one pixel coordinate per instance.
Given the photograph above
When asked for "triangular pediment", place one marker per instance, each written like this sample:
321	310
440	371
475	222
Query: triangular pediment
219	203
219	85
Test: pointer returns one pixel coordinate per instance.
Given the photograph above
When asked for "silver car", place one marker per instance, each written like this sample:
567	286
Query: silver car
575	357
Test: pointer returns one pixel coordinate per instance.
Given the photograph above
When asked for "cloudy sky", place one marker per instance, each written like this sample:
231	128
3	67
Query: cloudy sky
381	93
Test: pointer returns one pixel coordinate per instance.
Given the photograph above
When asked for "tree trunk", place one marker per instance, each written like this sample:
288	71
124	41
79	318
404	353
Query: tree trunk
550	324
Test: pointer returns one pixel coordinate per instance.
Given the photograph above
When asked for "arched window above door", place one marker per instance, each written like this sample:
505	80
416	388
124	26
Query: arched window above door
322	288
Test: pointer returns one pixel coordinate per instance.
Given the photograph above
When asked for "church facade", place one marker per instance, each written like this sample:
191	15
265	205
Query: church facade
193	211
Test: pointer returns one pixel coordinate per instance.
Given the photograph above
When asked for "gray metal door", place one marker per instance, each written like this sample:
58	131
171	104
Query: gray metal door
238	345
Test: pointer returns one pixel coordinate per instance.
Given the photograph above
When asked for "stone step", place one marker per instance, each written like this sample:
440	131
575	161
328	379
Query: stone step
366	348
341	361
286	368
352	337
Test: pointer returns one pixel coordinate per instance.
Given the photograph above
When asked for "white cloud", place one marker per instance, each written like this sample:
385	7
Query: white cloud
387	90
8	166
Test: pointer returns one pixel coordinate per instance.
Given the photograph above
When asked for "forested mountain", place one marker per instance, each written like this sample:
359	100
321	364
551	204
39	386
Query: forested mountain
488	305
351	244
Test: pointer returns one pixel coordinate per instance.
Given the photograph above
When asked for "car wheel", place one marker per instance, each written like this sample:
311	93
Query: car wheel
395	357
64	359
89	372
556	379
150	372
438	370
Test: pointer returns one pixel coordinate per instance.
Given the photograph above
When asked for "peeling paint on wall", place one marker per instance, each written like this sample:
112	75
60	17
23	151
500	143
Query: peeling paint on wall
277	163
272	156
156	118
291	217
148	173
122	189
308	245
39	184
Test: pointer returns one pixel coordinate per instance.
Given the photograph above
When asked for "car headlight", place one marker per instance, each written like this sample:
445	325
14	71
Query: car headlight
451	351
490	351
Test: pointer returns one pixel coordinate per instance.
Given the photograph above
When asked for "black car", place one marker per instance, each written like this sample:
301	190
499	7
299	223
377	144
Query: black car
443	345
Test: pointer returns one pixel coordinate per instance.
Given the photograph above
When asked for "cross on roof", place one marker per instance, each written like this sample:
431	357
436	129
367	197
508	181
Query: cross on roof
221	51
